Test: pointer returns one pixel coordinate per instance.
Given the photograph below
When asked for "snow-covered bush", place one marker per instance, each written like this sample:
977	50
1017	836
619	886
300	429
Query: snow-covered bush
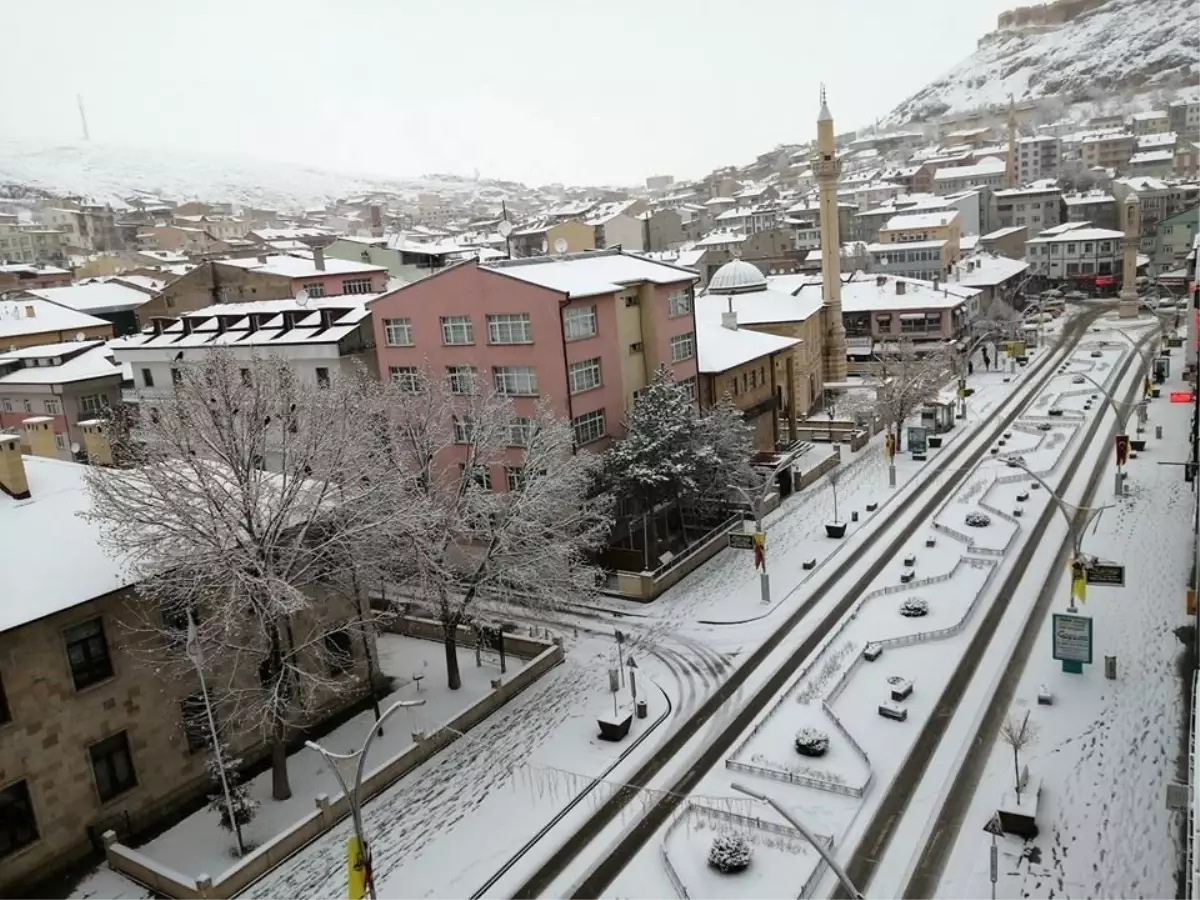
243	805
730	853
978	519
914	607
811	742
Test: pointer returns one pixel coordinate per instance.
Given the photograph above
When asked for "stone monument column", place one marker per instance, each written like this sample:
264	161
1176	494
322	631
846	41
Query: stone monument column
1131	224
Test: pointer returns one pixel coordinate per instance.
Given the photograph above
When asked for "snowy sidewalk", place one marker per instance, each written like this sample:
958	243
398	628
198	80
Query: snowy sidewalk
1106	749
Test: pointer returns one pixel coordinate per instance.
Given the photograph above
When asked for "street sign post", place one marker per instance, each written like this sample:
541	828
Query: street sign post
1106	574
1072	641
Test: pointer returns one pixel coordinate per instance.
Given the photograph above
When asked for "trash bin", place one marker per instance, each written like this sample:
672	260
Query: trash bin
1110	668
641	709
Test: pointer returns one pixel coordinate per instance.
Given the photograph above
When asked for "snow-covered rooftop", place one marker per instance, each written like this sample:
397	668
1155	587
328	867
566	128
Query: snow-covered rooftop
289	234
989	165
874	293
1152	156
906	221
986	270
299	267
33	315
590	274
1089	197
893	246
79	361
1085	233
94	297
716	238
719	349
63	561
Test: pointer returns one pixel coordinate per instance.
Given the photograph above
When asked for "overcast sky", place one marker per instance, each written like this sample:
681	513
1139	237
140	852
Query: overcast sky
534	90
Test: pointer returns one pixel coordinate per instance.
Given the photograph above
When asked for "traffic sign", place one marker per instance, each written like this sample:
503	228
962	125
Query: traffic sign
993	826
741	540
1182	397
1106	574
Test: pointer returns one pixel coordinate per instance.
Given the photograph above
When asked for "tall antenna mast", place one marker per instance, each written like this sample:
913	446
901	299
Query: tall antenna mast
82	117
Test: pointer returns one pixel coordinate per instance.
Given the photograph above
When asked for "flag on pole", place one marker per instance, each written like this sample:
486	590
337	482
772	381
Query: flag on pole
1079	582
760	550
193	649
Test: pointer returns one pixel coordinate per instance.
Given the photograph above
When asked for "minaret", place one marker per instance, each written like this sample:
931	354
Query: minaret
827	167
1131	212
1010	167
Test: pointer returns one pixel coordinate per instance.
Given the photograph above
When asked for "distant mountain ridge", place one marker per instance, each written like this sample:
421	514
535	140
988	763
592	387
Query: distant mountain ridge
1073	50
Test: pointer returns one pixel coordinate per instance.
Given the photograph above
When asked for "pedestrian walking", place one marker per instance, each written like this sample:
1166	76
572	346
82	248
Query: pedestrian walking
970	367
987	361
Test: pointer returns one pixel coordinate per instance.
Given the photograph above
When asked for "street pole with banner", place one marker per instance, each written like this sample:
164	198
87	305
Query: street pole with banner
889	450
195	653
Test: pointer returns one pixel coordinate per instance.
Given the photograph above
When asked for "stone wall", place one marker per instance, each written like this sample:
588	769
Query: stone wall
1045	15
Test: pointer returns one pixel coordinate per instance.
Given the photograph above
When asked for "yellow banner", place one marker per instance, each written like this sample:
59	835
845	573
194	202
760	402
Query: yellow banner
356	877
1078	583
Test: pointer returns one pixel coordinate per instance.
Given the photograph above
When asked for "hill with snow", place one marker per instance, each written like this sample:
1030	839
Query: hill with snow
1101	50
109	173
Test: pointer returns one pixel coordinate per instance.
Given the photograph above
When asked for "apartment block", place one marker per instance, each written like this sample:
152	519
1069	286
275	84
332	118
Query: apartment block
1038	207
587	331
1084	255
917	245
1038	157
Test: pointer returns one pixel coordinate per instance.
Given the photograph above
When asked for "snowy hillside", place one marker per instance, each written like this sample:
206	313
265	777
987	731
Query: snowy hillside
1122	46
110	173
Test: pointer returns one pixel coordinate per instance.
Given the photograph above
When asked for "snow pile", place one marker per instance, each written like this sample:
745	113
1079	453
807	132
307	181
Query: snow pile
978	519
730	853
811	742
914	607
1123	45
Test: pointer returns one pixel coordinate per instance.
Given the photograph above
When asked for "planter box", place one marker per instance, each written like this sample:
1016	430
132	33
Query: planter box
934	443
614	729
1138	444
835	529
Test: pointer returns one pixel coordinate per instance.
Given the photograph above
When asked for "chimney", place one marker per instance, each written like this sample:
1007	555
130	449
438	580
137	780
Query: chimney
96	445
31	311
40	431
899	287
327	318
159	323
187	323
319	258
729	320
935	282
262	258
12	467
880	280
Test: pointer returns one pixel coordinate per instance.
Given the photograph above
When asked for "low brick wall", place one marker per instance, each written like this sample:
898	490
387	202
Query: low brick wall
540	656
823	468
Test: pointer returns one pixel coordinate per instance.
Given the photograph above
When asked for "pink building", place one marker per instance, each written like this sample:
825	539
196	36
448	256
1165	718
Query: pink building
586	330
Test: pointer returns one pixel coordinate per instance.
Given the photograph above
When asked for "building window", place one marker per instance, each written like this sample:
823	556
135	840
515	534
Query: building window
933	321
60	440
510	328
53	407
28	405
195	722
462	379
689	387
579	323
93	403
514	478
679	303
464	430
5	712
112	766
322	377
520	432
457	330
480	475
6	404
398	332
683	346
753	378
247	377
589	427
584	375
515	381
87	651
356	286
340	652
406	378
883	324
176	376
18	827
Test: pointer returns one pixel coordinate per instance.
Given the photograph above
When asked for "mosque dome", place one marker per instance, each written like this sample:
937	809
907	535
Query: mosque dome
737	277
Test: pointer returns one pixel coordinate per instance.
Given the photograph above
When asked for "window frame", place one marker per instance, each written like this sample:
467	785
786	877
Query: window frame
687	339
450	323
679	303
406	378
585	420
515	381
525	425
119	742
197	736
572	315
357	286
497	323
30	834
94	671
392	327
340	659
581	366
514	478
457	387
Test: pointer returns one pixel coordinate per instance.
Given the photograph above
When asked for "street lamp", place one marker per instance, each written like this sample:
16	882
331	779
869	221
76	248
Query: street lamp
353	794
757	502
1079	560
1122	411
854	892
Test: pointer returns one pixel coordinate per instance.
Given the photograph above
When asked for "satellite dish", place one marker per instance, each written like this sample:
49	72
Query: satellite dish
302	298
80	336
505	228
75	447
560	246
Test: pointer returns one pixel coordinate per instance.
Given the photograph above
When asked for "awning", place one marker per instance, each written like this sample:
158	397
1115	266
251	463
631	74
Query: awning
911	317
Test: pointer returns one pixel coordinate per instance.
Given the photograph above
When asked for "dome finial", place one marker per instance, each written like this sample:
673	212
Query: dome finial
825	115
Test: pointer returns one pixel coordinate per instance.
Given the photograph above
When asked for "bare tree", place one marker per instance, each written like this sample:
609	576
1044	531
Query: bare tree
211	534
462	545
1019	735
907	380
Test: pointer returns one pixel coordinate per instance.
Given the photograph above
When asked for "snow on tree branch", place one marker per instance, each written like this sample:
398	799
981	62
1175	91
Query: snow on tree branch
909	378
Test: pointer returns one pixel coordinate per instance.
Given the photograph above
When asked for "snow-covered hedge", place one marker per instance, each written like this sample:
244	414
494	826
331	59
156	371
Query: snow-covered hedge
811	742
978	519
914	607
730	853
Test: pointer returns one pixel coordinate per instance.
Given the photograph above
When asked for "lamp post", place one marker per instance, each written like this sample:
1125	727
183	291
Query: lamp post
1122	411
757	501
837	870
1076	527
353	797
